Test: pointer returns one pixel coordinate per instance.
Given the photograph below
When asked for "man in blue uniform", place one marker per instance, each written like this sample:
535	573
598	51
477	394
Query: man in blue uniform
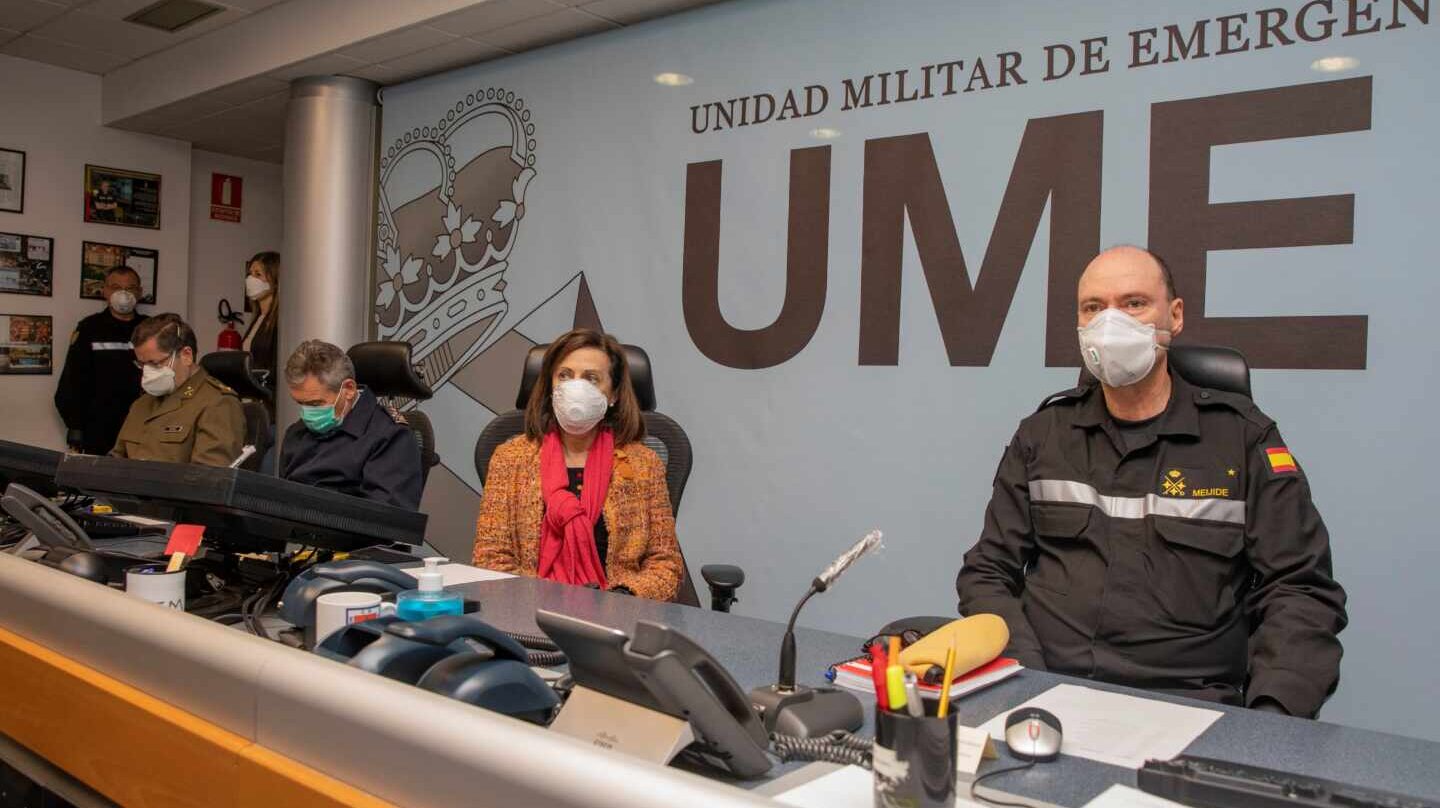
1151	533
345	440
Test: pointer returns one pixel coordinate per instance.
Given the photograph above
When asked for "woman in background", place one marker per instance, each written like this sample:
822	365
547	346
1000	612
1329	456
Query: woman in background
578	498
262	281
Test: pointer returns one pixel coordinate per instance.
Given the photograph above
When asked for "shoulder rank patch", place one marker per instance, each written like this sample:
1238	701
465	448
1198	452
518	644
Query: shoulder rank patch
1281	461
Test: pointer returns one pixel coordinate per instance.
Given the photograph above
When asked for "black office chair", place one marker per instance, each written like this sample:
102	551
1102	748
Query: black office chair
1204	366
662	435
385	368
257	399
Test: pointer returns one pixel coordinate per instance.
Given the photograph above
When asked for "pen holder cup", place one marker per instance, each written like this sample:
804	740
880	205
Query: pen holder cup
914	760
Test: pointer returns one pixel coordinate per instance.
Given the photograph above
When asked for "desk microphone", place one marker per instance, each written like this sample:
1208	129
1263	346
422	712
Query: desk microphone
791	709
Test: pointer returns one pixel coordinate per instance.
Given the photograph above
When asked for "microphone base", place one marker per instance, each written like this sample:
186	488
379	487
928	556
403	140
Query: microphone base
807	712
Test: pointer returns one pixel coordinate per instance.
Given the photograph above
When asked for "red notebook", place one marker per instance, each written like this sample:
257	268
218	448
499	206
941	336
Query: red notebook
856	676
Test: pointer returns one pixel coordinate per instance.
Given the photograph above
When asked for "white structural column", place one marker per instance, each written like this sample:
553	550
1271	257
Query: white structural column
325	287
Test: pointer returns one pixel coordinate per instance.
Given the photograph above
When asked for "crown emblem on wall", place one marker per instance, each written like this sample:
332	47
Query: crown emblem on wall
451	200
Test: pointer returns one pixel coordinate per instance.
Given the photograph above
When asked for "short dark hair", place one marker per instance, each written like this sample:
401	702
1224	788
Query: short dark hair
121	270
623	418
322	360
170	334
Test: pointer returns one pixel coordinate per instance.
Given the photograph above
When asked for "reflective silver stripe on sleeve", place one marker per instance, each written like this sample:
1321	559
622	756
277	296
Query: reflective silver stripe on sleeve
1214	510
111	346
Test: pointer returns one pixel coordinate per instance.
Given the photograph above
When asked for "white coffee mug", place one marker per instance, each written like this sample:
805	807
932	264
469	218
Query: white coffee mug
336	610
151	582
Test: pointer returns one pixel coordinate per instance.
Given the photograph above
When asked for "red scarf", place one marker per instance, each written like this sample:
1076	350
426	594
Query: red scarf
567	532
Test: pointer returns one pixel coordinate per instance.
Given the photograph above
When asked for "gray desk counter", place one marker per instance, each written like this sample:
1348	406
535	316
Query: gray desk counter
749	649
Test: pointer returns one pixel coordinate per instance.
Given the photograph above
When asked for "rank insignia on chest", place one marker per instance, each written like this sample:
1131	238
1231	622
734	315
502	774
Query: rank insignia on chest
1173	483
173	429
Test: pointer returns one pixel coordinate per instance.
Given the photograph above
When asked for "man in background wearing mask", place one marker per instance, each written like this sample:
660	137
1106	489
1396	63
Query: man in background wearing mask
100	380
186	416
345	441
1147	532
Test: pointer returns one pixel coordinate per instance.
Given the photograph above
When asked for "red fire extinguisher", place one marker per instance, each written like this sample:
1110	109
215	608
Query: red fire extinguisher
230	339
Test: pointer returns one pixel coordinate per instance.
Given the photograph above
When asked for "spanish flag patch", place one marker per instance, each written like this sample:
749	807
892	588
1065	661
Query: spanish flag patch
1280	459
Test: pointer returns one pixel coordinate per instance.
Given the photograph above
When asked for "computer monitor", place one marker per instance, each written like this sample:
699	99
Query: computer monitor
241	510
31	466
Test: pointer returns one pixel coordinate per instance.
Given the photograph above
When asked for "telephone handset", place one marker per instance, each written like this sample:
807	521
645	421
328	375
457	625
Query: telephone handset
663	670
407	650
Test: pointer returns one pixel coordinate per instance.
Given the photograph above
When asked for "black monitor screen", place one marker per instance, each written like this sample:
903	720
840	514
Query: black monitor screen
31	466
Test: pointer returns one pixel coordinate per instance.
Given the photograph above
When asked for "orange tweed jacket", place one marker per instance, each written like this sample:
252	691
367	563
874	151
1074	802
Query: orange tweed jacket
643	554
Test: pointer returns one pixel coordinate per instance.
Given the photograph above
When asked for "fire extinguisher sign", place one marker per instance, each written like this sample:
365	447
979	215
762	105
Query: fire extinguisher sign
225	197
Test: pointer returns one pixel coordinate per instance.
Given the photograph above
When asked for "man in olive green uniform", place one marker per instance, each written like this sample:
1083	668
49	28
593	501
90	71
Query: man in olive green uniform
186	416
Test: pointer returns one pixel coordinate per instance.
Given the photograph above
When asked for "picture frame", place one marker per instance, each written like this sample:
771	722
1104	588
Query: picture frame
121	197
27	345
27	264
12	181
97	258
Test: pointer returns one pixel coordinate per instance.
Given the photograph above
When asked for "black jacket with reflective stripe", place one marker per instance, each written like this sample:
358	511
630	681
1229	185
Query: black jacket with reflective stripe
1192	563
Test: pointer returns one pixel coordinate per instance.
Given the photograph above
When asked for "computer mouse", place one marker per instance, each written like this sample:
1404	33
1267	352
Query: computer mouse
1033	734
85	565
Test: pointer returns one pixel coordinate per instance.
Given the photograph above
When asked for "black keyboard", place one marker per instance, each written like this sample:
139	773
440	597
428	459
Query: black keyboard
98	526
1207	783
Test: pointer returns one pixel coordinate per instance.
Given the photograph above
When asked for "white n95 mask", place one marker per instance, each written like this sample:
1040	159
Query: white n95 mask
255	288
579	405
1119	349
122	301
158	382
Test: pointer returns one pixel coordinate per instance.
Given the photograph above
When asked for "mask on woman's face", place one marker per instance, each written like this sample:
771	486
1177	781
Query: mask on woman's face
159	381
579	405
256	287
1119	349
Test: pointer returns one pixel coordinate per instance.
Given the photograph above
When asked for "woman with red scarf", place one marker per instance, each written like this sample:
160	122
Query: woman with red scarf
578	498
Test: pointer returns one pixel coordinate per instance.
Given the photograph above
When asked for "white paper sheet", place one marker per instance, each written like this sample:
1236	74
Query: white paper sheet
463	574
1118	796
1114	728
848	787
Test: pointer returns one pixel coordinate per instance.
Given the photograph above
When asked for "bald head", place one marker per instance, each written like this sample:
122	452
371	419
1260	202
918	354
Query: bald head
1135	281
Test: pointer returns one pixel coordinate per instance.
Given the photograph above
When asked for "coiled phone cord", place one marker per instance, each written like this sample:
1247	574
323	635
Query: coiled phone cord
836	747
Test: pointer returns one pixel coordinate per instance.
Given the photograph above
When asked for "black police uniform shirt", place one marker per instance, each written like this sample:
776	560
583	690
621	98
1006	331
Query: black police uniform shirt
99	381
369	455
1184	556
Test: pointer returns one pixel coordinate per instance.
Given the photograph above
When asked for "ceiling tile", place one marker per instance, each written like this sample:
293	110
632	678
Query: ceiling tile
629	12
62	55
101	34
442	58
568	24
243	92
397	44
493	14
6	36
331	64
249	5
26	15
378	73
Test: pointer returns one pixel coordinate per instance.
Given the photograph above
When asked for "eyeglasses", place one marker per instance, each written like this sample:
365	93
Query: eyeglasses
157	364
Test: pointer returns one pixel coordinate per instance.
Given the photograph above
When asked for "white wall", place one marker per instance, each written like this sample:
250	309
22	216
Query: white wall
53	115
218	250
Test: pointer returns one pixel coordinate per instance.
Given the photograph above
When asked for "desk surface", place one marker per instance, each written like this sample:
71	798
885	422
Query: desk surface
749	649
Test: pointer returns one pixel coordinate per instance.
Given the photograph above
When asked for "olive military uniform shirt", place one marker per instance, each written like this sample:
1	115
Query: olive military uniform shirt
200	422
1189	559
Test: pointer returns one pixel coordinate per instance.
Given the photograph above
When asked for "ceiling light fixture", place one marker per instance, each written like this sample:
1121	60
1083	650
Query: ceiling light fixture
824	133
673	79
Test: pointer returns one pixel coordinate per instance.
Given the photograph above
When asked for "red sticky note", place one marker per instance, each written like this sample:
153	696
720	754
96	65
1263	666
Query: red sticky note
185	539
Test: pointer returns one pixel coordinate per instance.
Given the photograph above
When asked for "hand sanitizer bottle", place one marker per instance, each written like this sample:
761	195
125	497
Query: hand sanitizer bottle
432	599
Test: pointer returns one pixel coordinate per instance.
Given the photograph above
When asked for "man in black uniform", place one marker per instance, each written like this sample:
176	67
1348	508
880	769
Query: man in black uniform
100	380
1147	532
344	439
103	199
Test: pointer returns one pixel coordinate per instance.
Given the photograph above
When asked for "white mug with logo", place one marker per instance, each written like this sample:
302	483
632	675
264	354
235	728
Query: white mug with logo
151	582
336	610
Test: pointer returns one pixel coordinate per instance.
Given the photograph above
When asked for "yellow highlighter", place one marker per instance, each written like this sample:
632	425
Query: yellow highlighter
895	688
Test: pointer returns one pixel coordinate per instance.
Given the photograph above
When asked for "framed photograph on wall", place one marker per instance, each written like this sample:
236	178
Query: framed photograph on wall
116	196
26	345
12	181
96	259
26	264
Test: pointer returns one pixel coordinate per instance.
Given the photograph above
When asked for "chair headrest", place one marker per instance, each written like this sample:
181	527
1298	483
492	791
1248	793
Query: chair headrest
635	357
233	369
385	368
1204	366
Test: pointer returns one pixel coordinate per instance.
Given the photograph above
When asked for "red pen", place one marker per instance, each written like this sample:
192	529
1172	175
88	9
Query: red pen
878	662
